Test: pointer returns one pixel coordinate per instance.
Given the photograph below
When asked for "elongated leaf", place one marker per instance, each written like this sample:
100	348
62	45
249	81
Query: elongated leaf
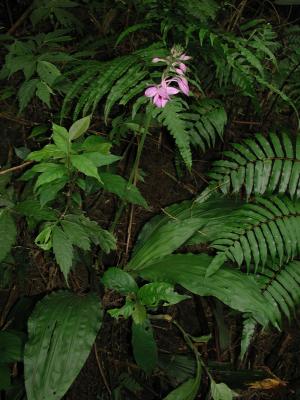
144	346
62	329
63	250
79	127
234	288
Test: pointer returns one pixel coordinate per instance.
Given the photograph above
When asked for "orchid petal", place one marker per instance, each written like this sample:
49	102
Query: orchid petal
151	91
156	60
183	85
172	90
157	100
184	57
179	71
164	102
182	67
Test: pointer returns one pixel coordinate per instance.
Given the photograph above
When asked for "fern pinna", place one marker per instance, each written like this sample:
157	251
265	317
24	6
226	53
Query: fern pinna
260	165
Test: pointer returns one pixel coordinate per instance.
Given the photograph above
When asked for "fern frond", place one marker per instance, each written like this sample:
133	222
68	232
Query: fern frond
86	75
172	116
263	229
207	124
260	165
281	285
133	76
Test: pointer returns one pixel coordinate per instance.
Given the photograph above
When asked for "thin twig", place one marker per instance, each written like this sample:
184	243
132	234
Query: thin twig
101	370
16	168
16	25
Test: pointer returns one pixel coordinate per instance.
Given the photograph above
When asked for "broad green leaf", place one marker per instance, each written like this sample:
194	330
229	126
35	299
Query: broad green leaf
8	233
152	293
144	346
139	313
62	329
48	72
86	166
43	92
26	93
126	191
79	127
186	391
61	138
57	171
236	289
11	346
220	391
63	250
31	208
48	152
164	241
124	311
76	233
119	280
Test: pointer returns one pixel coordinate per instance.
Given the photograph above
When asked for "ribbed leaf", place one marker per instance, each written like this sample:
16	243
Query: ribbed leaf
62	329
260	165
257	231
236	289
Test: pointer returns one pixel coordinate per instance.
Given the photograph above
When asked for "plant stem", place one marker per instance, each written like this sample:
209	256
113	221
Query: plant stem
134	171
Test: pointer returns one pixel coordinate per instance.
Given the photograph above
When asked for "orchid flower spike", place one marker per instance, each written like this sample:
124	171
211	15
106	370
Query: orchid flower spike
160	94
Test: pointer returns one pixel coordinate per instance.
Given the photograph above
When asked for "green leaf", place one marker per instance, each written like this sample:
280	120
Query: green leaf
249	326
236	289
79	127
61	138
152	293
62	329
26	93
187	391
124	311
139	313
48	72
76	233
119	280
63	250
8	233
86	166
43	239
43	92
144	346
126	191
56	171
164	241
220	391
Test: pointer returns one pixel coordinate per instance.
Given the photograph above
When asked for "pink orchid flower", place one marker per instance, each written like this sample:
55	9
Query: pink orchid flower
161	93
183	85
181	68
184	57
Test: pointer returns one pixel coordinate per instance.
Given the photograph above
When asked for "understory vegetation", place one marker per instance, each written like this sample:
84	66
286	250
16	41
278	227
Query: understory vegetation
149	199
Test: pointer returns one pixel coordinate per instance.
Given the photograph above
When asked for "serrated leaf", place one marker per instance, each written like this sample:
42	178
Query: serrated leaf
63	250
126	191
26	93
62	329
85	165
48	72
43	92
